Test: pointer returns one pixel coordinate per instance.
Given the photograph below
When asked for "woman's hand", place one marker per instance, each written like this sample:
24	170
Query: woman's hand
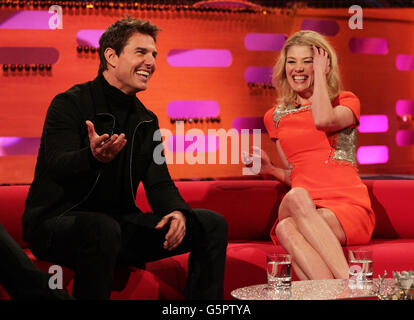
267	169
321	62
258	155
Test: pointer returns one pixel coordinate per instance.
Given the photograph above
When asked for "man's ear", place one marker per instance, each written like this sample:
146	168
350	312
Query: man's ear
111	57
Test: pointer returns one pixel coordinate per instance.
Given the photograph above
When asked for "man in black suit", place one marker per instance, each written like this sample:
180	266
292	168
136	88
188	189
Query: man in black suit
97	145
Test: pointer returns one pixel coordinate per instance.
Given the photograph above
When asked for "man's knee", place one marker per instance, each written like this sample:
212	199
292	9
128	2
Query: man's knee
212	223
100	231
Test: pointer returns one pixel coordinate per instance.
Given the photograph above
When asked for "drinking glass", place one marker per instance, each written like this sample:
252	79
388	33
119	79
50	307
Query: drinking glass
360	267
279	275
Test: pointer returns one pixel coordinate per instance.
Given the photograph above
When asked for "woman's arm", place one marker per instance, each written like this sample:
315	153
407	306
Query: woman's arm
326	117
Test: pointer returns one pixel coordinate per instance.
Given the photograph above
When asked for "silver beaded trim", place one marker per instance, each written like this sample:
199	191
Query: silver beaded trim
343	143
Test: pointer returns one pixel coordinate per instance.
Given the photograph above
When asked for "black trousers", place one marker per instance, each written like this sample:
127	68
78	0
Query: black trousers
93	243
20	277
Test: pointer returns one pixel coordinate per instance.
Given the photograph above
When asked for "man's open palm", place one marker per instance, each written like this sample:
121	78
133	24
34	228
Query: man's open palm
104	148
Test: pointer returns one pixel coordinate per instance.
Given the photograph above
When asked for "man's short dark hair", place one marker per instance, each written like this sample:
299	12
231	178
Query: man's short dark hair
117	35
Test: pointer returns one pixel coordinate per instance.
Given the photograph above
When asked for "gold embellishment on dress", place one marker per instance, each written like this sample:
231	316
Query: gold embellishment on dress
281	112
346	145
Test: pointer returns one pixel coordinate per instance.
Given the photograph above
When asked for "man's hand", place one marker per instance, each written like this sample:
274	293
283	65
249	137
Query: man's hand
104	148
176	232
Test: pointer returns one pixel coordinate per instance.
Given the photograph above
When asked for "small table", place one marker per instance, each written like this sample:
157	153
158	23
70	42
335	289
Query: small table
332	289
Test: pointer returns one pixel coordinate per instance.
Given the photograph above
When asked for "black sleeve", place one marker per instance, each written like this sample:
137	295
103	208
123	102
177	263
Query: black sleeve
162	194
66	153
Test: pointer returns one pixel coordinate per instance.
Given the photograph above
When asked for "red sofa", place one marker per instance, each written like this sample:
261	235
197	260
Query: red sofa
250	207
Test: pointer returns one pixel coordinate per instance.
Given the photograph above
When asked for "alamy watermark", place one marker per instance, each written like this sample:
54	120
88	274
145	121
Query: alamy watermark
56	278
56	20
355	22
194	147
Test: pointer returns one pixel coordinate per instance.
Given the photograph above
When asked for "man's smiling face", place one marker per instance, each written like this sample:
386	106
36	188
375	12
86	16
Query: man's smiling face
135	64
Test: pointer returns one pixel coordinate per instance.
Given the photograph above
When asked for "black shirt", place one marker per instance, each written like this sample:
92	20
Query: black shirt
111	193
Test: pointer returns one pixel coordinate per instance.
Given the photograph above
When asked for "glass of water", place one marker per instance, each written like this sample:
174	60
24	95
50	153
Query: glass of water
360	267
279	271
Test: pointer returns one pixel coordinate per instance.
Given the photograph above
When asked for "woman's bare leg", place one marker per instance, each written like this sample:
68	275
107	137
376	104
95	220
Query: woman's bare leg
318	242
299	273
308	262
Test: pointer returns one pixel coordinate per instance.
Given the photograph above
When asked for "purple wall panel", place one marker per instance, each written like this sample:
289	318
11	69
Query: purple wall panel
372	154
325	27
373	123
89	37
249	123
404	107
405	138
404	62
199	58
19	146
193	109
28	55
368	45
264	41
258	74
26	19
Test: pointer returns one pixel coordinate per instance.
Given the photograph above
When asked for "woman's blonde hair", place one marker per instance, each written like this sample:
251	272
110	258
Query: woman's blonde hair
286	95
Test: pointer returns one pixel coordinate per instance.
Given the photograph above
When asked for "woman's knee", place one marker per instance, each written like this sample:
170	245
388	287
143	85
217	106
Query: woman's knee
296	203
286	230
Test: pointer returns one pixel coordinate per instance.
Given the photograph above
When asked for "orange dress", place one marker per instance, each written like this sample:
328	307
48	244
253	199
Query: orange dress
324	163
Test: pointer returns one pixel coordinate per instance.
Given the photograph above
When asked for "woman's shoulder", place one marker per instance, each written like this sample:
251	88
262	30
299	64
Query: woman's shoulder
282	110
269	113
347	94
345	97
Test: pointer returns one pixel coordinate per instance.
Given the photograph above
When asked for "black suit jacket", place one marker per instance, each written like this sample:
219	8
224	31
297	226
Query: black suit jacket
66	171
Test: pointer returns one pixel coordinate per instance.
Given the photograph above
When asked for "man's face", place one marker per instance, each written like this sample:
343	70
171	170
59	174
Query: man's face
135	64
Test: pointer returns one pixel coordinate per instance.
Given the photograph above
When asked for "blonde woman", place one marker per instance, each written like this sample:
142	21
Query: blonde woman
314	127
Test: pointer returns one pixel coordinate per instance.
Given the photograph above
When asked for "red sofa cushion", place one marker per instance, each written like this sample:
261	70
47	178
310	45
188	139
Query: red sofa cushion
393	205
250	207
12	200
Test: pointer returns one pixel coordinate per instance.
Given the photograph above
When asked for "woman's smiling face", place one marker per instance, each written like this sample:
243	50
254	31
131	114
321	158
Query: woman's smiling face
299	69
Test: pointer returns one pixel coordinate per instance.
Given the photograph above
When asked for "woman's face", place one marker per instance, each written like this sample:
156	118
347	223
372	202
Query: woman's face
299	69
